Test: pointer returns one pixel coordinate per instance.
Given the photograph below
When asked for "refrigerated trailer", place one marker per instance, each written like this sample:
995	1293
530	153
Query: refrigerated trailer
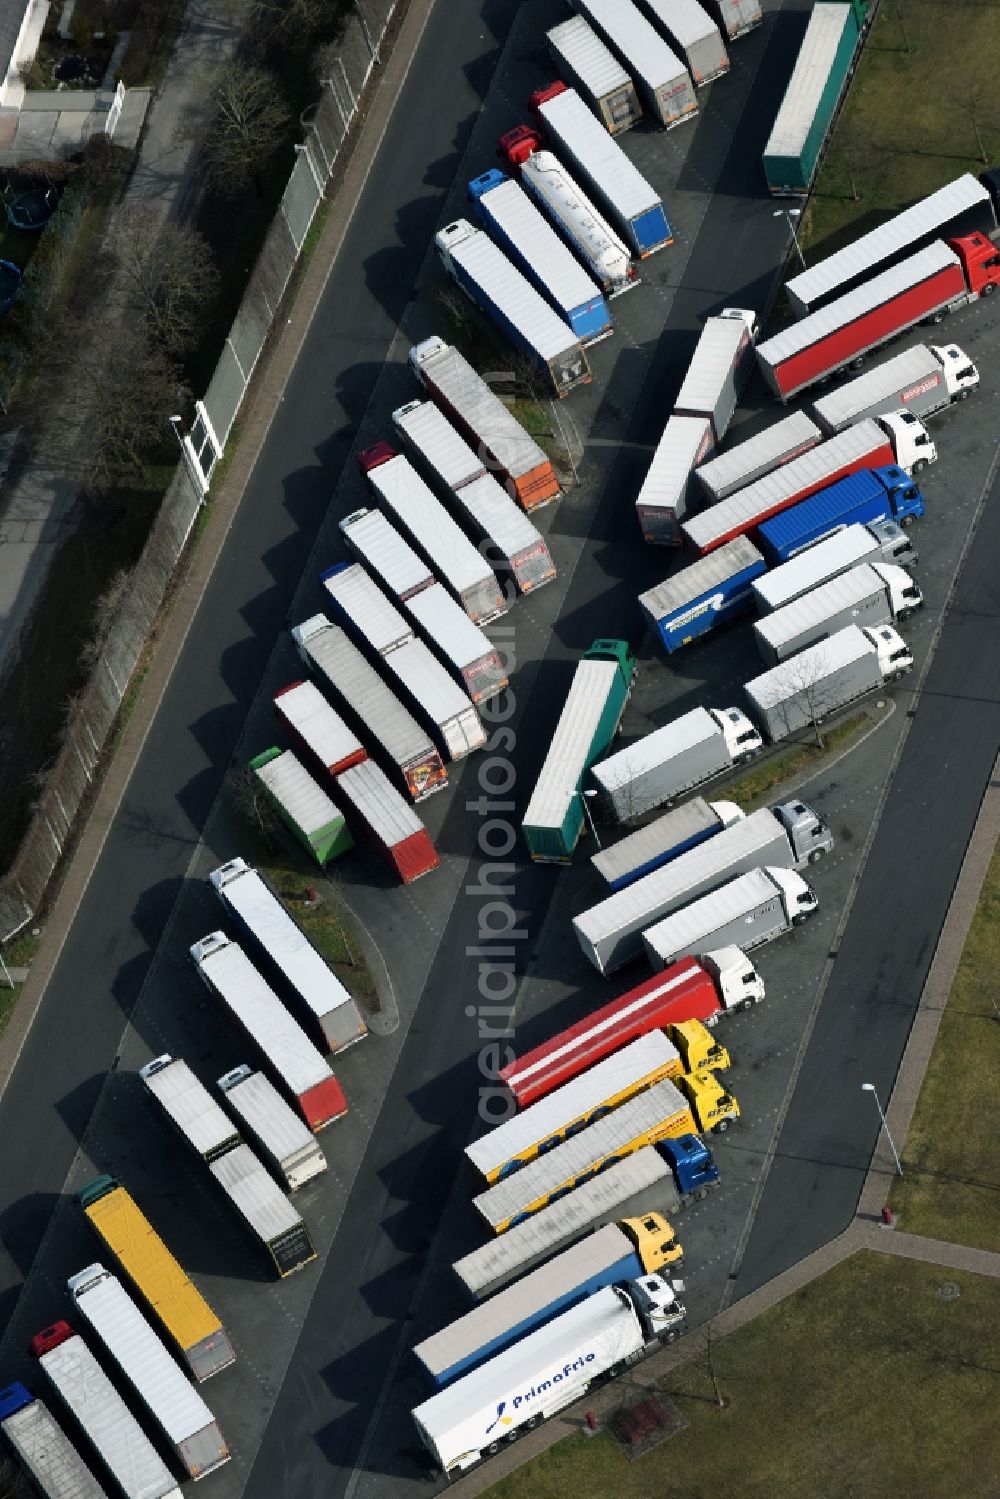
520	229
925	287
690	29
662	502
822	68
718	369
303	806
314	725
47	1455
494	432
227	973
373	540
923	380
660	75
284	946
739	466
101	1413
512	302
878	541
178	1410
190	1107
265	1209
364	610
601	248
277	1130
184	1314
634	206
870	594
587	724
405	747
432	531
592	68
396	830
436	698
826	678
711	591
751	910
958	208
461	646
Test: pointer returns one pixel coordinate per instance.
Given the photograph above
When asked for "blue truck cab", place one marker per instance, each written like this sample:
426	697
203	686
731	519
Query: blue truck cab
14	1398
695	1171
868	495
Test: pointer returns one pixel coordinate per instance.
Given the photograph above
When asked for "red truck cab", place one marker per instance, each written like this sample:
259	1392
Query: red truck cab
50	1337
518	144
980	262
379	452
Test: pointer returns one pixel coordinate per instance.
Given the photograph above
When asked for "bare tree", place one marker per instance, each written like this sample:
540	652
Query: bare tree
974	115
251	802
804	680
105	612
165	275
291	21
249	122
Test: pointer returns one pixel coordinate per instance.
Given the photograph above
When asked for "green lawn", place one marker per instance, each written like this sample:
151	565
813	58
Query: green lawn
866	1383
909	125
755	787
951	1183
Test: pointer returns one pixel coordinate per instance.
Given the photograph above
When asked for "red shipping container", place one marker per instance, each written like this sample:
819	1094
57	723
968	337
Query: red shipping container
684	991
323	1104
320	731
390	821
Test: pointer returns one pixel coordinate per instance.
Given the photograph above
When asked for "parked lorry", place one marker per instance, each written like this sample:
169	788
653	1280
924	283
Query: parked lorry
655	1179
753	909
661	77
822	69
265	1209
741	465
589	66
175	1406
879	541
719	367
662	1004
190	1107
922	380
872	594
634	206
543	1373
317	729
92	1400
688	1105
364	610
510	216
227	972
572	1105
374	541
601	248
509	299
890	442
672	760
736	17
865	497
192	1327
492	429
53	1464
709	592
591	714
436	698
662	502
513	541
958	208
391	823
789	837
406	748
304	807
826	678
286	950
690	29
276	1130
662	841
605	1257
432	531
925	287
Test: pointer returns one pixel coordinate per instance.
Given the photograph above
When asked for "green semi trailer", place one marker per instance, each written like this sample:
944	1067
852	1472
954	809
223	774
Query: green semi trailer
817	84
303	806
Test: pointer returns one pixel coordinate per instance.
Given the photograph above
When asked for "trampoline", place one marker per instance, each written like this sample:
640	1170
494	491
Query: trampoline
10	285
32	209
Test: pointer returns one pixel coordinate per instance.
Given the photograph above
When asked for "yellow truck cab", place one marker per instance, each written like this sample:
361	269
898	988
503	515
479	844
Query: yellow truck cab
698	1048
713	1107
655	1241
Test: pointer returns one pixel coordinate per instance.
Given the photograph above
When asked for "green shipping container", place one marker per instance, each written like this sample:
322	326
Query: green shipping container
587	725
792	153
302	805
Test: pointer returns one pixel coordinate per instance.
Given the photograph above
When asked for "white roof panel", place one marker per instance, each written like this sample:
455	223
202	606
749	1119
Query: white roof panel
701	577
269	1117
675	738
191	1107
883	382
49	1455
438	443
565	762
813	566
491	508
323	730
549	256
773	686
855	304
509	289
622	184
428	681
809	79
447	623
845	591
656	838
710	912
420	512
363	601
717	351
499	431
685	20
367	788
386	552
587	57
926	217
254	1004
294	789
685	439
638	41
255	1194
769	446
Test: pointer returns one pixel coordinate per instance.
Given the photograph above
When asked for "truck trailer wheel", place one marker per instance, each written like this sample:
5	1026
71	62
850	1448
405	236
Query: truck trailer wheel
988	289
816	855
961	395
920	465
799	920
721	1127
907	521
747	1004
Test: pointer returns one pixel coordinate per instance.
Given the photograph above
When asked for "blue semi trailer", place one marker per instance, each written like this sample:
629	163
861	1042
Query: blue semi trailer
869	494
662	841
699	597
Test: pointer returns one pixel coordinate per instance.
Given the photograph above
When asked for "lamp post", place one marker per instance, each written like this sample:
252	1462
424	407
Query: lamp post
585	797
870	1088
790	215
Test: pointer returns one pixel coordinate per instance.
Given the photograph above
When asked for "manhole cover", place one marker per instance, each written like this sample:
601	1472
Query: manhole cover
948	1291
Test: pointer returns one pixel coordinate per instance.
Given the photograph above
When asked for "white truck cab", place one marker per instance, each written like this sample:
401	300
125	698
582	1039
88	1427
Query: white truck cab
904	595
799	898
747	316
912	443
742	739
960	374
894	656
737	981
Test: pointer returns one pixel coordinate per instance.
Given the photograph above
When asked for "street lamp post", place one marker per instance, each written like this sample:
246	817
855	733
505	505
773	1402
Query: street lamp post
790	215
585	797
870	1088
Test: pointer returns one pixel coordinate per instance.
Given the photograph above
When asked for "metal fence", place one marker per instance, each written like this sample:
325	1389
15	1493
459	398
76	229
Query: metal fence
93	714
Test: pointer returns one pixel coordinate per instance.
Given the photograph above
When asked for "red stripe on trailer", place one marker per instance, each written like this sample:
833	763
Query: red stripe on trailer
338	766
413	857
683	991
323	1104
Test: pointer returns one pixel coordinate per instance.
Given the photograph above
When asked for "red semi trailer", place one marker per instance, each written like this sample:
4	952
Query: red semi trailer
926	286
391	823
